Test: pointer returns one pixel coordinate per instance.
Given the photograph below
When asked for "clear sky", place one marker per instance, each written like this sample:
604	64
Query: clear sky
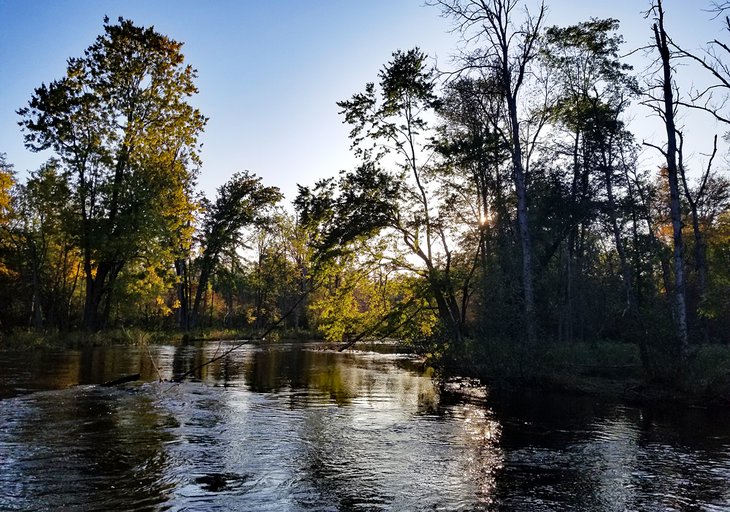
270	71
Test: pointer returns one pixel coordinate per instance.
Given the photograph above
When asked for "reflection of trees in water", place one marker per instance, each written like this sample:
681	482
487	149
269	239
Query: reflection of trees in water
188	356
347	430
576	453
88	446
382	450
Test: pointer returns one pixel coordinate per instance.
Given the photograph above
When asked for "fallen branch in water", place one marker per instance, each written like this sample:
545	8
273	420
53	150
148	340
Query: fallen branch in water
121	380
380	322
149	354
268	331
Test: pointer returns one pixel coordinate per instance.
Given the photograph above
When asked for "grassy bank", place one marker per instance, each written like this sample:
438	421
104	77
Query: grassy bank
30	339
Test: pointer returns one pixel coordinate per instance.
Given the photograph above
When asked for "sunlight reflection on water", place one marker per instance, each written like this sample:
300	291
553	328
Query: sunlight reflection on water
355	437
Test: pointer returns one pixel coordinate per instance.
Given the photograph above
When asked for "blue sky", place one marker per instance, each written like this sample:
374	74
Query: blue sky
270	71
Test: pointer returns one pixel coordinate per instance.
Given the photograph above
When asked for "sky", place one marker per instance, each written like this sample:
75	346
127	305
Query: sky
271	71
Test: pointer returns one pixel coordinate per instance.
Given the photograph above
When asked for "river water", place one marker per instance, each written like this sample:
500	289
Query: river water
290	427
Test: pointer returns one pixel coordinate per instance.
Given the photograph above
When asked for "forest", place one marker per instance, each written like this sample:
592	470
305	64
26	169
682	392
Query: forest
501	207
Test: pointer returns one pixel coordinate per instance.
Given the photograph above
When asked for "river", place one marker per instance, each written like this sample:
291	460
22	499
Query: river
290	427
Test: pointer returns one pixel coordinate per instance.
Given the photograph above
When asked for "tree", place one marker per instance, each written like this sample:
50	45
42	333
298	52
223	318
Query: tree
7	181
474	169
664	105
127	138
241	202
47	258
595	89
711	98
399	185
506	59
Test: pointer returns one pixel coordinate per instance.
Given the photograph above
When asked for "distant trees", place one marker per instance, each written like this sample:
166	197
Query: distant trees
241	202
47	258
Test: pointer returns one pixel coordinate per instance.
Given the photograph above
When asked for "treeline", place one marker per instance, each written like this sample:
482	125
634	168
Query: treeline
505	198
112	231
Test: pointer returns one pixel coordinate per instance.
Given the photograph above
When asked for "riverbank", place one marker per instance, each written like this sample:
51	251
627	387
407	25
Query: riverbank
609	370
30	339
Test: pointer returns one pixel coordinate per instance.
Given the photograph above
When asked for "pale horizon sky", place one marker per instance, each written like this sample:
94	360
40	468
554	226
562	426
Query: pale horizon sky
270	72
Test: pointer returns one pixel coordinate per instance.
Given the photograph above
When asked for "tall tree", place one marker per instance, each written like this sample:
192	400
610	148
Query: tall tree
595	89
398	187
476	173
664	104
241	202
711	98
506	56
121	124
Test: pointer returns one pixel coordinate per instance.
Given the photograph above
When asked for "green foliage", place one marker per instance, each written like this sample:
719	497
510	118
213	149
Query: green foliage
127	139
716	308
7	180
243	201
397	191
357	207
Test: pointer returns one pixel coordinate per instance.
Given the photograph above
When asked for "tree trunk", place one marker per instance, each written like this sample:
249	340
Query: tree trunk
680	307
205	270
528	291
98	294
183	293
631	302
700	244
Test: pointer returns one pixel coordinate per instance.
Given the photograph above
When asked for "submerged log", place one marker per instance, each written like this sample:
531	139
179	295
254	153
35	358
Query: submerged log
121	380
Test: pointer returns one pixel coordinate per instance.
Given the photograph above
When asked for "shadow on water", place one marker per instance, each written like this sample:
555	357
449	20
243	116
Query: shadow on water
291	427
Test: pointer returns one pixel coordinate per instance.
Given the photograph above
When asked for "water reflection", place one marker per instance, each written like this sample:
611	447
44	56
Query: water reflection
579	454
290	427
309	430
82	449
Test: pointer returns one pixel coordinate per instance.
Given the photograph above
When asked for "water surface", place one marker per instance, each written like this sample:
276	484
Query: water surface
290	427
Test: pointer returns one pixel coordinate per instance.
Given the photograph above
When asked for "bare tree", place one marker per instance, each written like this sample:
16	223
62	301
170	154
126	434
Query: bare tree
664	104
713	97
504	53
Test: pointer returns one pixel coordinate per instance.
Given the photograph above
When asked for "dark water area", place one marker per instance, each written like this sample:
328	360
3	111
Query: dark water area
289	427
